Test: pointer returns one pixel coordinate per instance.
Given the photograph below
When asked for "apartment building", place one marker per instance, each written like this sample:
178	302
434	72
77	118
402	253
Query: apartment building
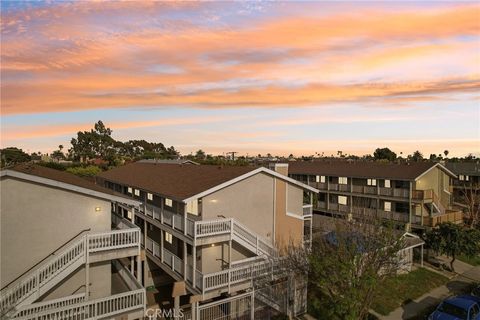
217	233
63	255
467	180
415	195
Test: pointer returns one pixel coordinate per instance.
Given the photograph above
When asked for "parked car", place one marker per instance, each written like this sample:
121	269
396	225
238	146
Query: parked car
458	308
476	291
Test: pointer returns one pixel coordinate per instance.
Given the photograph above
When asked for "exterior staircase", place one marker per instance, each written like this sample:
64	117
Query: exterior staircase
86	247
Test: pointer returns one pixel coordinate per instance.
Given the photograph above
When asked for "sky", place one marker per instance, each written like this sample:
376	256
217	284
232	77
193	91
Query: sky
252	77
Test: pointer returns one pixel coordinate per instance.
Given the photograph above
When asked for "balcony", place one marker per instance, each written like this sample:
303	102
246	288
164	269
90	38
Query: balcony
450	216
369	190
422	194
241	273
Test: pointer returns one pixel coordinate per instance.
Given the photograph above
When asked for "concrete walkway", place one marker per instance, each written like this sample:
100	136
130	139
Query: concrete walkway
467	274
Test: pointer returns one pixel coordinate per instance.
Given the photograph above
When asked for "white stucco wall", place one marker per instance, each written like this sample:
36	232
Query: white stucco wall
35	220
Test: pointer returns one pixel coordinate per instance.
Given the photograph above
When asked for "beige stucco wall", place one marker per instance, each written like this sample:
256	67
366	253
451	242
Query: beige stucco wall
249	201
35	220
294	200
437	180
287	229
100	282
211	257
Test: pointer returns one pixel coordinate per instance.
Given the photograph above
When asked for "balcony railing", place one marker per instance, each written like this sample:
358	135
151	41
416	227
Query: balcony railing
388	192
241	271
38	281
452	216
422	194
307	210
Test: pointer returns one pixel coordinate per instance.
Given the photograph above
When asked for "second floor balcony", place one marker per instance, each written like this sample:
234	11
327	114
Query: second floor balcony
362	189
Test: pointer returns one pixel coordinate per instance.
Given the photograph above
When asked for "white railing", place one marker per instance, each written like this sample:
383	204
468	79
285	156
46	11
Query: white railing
171	260
39	307
238	307
307	209
116	239
212	227
262	246
39	280
232	276
95	309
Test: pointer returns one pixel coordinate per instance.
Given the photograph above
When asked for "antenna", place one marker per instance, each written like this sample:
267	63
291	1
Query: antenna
232	153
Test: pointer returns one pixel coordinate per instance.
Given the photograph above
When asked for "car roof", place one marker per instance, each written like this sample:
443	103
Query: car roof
461	301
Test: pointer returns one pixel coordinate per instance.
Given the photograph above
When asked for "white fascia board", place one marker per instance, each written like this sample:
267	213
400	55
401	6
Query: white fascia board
441	167
247	175
67	186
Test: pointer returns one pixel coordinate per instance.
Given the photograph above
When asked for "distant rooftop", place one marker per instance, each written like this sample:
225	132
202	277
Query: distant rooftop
362	169
168	161
464	168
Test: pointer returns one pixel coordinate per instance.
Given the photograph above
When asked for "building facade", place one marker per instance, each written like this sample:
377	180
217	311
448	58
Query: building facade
219	233
63	255
414	195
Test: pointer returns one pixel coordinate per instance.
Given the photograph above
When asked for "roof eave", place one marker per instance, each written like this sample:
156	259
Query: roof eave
67	186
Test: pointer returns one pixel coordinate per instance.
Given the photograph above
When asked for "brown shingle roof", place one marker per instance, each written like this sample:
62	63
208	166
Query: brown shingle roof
361	169
172	180
60	176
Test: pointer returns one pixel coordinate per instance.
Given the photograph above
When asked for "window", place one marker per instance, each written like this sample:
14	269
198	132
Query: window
387	206
168	202
342	180
137	192
192	207
168	237
129	190
322	179
461	177
387	183
129	215
372	182
342	200
150	196
467	178
317	178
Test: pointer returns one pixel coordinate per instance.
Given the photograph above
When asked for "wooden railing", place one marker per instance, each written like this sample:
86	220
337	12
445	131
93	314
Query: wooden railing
307	210
453	216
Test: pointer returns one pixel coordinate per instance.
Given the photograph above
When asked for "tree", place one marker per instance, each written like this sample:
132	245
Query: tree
200	155
13	155
346	267
416	156
446	153
384	154
94	143
453	240
470	198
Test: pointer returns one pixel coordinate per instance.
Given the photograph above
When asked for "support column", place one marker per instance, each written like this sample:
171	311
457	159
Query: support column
421	255
139	268
87	270
230	253
194	265
161	244
185	258
87	281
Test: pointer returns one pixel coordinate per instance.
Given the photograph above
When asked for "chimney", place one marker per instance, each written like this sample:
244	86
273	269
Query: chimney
281	168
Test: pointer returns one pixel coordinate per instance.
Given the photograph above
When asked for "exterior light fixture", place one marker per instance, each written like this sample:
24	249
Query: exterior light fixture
98	209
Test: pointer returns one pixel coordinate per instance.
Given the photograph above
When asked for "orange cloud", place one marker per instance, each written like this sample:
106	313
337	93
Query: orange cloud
74	65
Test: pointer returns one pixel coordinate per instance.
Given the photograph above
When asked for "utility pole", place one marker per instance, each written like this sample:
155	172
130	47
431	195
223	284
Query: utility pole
232	153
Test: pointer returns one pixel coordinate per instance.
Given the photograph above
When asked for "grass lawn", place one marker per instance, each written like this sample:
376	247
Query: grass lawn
474	261
403	288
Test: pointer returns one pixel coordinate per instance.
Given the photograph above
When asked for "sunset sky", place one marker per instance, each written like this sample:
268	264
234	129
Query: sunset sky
252	77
